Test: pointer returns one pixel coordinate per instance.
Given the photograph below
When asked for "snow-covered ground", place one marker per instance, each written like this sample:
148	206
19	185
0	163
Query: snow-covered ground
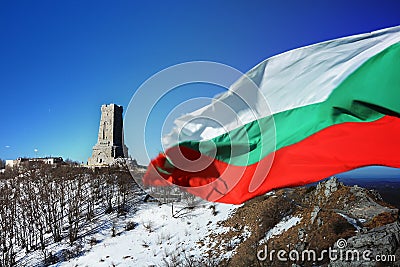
284	225
158	237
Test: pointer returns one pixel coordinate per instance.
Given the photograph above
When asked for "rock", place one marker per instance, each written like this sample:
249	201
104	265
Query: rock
314	213
302	234
365	207
383	240
328	187
331	186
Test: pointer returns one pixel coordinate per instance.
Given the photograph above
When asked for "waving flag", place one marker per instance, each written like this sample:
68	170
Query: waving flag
333	106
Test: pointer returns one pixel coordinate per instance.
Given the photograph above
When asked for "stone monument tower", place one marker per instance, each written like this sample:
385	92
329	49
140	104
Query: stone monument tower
110	140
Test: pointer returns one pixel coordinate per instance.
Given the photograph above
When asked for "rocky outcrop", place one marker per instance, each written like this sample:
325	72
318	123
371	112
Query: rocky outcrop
329	215
376	244
328	187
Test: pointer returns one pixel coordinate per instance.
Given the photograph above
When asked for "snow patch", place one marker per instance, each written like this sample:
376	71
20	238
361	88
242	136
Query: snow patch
350	220
284	225
158	238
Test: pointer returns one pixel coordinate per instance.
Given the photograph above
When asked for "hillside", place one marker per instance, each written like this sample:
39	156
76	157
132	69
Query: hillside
83	217
330	215
300	219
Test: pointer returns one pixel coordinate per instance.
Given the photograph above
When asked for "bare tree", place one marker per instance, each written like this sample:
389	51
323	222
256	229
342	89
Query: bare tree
40	200
2	163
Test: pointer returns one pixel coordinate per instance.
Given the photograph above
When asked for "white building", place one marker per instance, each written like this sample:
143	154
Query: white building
47	160
10	163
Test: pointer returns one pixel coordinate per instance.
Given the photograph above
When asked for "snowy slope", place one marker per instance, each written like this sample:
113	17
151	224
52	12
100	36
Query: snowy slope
158	238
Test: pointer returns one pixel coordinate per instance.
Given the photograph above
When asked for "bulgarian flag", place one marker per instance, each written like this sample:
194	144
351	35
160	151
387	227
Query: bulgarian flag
320	110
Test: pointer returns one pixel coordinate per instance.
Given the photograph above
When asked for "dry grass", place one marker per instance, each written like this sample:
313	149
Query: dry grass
381	219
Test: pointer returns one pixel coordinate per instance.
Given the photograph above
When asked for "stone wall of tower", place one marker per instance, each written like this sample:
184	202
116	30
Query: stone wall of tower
110	130
109	144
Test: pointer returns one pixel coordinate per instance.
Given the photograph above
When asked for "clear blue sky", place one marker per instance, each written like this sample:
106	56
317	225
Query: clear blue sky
60	60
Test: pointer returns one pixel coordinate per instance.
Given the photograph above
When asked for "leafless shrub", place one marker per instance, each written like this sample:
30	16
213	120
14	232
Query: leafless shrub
93	241
130	225
149	226
213	210
145	243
